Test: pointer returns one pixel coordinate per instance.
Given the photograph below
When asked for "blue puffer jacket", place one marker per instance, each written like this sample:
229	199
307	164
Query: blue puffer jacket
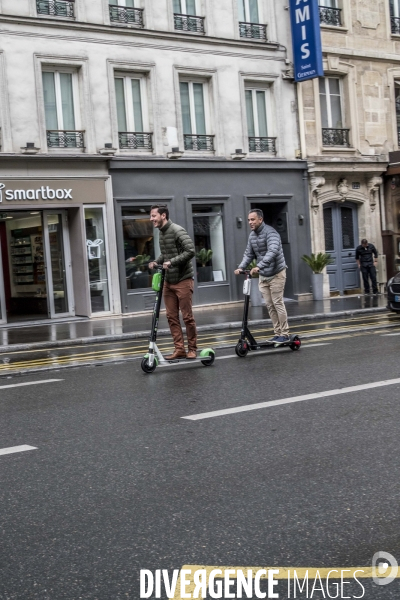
266	247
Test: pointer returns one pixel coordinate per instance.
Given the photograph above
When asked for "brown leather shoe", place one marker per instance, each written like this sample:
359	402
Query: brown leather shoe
175	355
191	354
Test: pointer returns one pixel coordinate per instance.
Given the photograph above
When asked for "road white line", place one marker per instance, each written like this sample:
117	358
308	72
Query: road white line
274	351
389	334
15	449
248	407
13	385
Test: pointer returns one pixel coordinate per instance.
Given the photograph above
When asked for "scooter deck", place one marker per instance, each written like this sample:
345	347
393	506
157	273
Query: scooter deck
269	345
165	361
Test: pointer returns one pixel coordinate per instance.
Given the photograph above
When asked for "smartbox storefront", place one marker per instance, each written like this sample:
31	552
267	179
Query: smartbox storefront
210	199
54	248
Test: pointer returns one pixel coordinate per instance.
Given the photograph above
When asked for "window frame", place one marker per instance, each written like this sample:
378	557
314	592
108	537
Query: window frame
108	263
396	8
128	100
184	10
268	109
328	104
75	95
206	100
247	12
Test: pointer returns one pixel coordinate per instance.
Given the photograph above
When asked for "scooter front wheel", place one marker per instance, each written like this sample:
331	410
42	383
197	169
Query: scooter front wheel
146	367
241	349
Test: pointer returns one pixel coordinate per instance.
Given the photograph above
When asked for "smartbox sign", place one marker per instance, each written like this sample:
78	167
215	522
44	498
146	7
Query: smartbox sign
40	193
21	192
306	39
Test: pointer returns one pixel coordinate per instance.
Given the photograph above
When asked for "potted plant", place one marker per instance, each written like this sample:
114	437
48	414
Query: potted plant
256	297
204	273
317	263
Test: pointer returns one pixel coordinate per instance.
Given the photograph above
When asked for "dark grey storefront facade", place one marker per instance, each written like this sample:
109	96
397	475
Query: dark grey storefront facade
210	199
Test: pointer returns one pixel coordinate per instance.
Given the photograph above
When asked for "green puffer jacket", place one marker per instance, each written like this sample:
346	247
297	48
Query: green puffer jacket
176	246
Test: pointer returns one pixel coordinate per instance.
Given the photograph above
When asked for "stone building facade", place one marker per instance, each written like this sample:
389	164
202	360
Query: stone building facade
348	125
186	102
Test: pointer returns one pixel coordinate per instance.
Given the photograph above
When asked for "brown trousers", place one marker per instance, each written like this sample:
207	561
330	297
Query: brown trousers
180	296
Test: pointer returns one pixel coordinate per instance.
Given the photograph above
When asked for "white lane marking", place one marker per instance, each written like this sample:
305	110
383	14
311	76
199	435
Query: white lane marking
389	334
12	385
248	407
274	351
14	449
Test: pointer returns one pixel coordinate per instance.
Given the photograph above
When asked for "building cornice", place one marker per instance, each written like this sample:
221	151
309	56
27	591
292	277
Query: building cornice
119	35
361	54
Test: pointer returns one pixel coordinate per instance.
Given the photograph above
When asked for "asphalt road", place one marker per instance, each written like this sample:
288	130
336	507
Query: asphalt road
119	481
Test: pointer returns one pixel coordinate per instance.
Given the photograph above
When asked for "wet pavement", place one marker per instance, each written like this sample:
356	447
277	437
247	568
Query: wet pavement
52	333
17	362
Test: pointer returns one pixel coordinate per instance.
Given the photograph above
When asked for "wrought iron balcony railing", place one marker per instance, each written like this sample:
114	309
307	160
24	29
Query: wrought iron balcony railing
253	31
262	144
189	23
126	15
335	137
56	8
398	136
198	142
330	16
60	138
135	141
395	25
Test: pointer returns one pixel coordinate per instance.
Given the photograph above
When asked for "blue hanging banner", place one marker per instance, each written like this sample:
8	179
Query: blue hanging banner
306	38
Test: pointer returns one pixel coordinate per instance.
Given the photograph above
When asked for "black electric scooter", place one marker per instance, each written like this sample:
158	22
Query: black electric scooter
247	341
153	358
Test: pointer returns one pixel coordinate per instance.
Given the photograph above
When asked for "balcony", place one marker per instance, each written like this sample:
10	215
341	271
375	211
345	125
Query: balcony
253	31
135	141
60	138
330	16
125	15
199	143
262	144
335	137
395	25
56	8
189	23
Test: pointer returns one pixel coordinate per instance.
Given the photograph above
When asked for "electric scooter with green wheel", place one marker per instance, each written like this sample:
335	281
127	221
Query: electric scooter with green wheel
154	357
247	341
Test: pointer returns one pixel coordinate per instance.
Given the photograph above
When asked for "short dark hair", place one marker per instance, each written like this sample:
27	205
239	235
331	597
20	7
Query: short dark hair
258	212
162	209
364	241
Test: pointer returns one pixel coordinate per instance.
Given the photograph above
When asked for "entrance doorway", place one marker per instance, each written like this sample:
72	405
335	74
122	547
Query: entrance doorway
276	215
36	265
341	240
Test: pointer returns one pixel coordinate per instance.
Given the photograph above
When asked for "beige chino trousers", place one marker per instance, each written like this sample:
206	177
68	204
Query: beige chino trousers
273	296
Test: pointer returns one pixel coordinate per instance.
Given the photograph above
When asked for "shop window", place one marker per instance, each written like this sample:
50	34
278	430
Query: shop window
331	100
97	259
60	105
130	93
195	116
141	246
257	102
209	242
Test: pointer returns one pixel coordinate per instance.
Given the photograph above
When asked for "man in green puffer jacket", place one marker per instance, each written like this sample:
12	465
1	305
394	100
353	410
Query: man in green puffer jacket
177	251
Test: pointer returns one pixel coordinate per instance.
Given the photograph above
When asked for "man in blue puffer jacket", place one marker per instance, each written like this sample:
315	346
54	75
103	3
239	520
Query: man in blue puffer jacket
265	246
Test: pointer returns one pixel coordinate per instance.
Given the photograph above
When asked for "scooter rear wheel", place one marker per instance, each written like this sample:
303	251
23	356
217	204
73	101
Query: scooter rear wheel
146	366
296	344
241	349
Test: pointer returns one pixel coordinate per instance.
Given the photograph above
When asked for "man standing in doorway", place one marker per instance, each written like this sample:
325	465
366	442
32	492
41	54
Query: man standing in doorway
266	247
177	251
367	258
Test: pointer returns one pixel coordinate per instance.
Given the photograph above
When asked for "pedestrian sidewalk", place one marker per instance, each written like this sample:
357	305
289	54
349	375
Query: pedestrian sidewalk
75	331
